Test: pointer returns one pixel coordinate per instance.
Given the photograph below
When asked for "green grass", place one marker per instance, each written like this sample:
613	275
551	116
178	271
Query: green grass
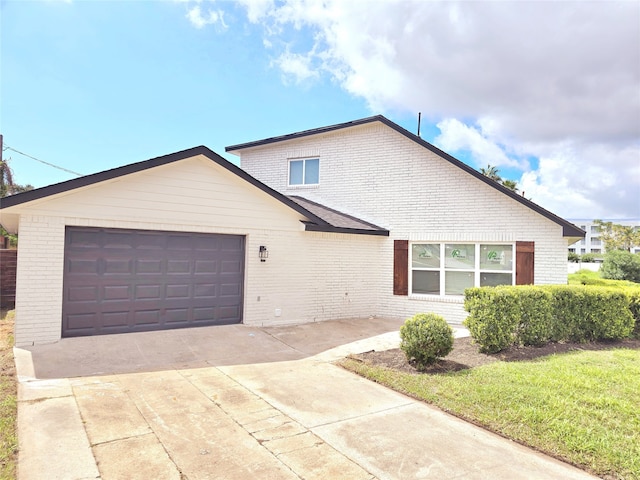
587	277
581	407
8	400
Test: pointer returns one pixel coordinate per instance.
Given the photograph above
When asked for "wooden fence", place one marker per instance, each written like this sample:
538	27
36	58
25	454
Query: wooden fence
8	265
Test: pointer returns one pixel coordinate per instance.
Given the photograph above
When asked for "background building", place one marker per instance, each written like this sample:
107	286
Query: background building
592	242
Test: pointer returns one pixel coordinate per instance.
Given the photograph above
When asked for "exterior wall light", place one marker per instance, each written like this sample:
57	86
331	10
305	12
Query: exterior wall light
263	253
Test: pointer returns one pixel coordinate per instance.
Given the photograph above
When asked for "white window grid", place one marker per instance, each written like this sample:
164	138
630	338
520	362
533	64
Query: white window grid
304	171
477	272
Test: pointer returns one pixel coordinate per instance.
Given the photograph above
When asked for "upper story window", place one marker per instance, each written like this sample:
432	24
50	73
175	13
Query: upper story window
304	171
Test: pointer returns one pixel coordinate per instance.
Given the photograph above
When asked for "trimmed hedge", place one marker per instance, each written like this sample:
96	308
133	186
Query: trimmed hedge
634	307
534	315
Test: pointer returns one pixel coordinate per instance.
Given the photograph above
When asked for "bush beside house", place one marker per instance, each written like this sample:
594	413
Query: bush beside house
425	338
534	315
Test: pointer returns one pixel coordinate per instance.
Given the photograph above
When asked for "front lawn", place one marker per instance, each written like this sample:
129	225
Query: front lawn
8	398
581	407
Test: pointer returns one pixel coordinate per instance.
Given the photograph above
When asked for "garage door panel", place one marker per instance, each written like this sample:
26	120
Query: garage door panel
116	292
146	317
114	240
81	266
177	315
83	239
151	241
83	294
148	266
177	291
148	292
175	267
228	314
202	243
206	266
115	319
117	266
230	290
231	266
82	321
232	243
204	290
119	281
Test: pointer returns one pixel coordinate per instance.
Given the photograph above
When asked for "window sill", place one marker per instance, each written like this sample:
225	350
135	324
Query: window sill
437	298
303	187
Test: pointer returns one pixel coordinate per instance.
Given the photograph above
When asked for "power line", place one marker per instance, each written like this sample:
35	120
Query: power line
7	147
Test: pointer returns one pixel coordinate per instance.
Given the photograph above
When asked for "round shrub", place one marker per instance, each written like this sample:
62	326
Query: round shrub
621	265
425	338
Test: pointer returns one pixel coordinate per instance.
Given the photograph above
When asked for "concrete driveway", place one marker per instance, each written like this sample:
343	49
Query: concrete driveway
239	402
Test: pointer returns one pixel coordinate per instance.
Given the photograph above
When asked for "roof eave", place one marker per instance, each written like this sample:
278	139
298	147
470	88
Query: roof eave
304	133
311	227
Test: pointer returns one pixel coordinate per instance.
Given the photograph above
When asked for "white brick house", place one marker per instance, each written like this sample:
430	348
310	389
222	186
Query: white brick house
431	203
357	219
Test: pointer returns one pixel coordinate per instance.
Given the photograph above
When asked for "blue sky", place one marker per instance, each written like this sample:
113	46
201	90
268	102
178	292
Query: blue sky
548	92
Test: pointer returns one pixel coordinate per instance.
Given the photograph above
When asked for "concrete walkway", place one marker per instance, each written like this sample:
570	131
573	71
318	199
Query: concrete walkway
240	402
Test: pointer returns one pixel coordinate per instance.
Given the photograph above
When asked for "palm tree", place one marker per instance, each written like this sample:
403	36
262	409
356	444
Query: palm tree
511	185
492	173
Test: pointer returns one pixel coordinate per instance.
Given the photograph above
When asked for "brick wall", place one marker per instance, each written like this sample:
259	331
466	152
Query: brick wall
375	173
8	264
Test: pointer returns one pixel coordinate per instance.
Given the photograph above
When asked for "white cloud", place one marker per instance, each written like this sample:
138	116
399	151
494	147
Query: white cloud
199	19
455	136
257	9
586	181
506	80
296	67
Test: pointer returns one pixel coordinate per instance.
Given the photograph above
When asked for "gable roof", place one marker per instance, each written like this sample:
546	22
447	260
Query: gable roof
320	218
568	228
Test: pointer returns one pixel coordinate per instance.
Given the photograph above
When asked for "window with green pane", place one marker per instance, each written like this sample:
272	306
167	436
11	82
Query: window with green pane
460	256
496	257
425	255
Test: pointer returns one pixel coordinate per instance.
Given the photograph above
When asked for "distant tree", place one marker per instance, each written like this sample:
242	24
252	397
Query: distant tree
7	185
511	185
494	174
618	237
491	172
621	265
588	258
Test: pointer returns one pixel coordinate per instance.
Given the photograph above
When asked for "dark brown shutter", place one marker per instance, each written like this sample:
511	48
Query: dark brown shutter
401	267
524	263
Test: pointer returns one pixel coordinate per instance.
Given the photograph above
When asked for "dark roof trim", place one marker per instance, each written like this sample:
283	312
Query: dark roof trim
311	227
304	133
568	228
317	223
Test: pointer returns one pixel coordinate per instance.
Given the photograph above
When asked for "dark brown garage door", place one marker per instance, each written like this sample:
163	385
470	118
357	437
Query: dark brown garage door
118	281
